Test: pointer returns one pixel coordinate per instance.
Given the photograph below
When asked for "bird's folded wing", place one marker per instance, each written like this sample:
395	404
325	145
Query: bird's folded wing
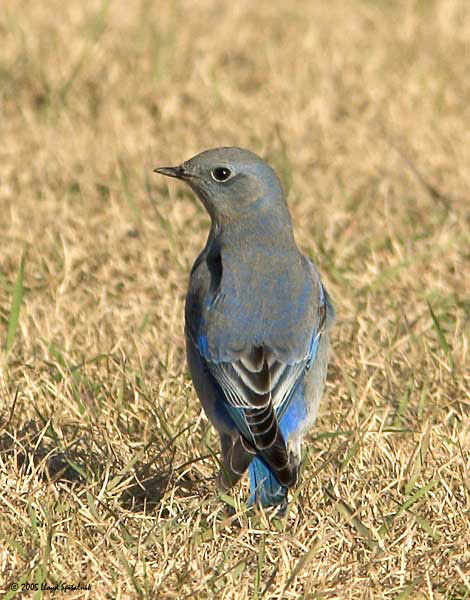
258	385
257	379
258	389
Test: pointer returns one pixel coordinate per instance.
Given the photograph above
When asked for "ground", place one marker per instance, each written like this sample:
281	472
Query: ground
107	463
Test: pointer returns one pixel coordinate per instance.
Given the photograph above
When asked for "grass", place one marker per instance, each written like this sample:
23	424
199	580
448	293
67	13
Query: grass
106	462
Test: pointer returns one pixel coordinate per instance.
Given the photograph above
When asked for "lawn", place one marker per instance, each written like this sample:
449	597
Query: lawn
107	462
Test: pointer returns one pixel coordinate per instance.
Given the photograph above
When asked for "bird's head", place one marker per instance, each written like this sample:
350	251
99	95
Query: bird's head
231	183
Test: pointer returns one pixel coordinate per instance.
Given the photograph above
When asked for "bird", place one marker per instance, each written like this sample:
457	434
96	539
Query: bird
257	322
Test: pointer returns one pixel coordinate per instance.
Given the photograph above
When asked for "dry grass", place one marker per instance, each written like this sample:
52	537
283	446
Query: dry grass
106	462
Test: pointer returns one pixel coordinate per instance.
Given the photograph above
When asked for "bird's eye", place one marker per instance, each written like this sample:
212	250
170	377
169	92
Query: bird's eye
221	174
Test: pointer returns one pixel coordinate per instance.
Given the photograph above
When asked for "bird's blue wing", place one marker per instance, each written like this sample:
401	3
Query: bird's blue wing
258	388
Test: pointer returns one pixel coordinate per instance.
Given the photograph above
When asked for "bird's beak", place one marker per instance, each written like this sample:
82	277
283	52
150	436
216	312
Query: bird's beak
177	172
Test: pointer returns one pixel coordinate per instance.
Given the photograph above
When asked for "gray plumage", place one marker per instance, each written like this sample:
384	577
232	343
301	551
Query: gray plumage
256	322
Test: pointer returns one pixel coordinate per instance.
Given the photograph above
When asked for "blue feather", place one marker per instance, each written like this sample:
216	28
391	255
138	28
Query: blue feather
264	487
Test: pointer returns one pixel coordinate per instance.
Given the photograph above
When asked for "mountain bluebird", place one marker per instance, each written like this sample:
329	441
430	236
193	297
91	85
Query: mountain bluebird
256	321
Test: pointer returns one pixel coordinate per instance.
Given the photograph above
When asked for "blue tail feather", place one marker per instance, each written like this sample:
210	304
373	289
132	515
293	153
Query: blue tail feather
264	487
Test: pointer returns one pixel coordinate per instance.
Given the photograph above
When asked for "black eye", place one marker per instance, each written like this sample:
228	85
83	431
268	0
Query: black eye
221	174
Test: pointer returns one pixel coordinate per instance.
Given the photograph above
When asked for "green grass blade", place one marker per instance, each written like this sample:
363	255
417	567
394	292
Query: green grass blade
442	338
417	496
302	562
408	591
14	319
406	505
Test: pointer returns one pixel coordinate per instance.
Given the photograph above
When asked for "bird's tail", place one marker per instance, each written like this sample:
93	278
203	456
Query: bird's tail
264	487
